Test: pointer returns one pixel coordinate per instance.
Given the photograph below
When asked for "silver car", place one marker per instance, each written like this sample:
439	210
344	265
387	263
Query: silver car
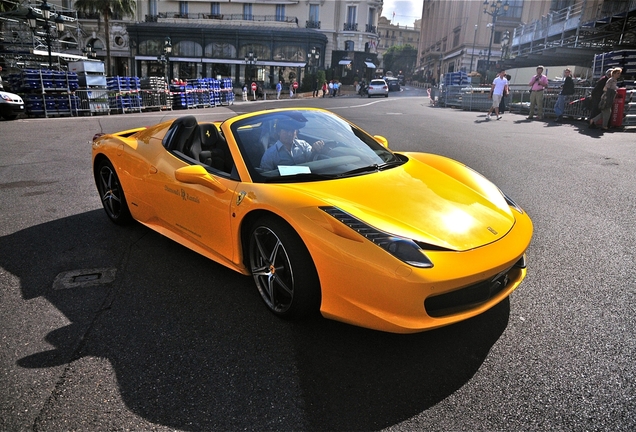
10	105
378	87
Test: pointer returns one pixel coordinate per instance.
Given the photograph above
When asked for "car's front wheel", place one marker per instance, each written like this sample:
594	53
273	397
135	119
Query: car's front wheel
111	193
283	270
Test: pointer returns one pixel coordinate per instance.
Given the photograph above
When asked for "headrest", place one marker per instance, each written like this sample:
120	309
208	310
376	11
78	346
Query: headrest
209	135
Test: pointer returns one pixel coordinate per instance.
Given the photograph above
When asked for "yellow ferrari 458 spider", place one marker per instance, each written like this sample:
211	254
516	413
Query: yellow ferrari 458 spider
322	215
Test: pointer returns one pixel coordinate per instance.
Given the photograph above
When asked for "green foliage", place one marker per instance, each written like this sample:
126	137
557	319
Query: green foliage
400	58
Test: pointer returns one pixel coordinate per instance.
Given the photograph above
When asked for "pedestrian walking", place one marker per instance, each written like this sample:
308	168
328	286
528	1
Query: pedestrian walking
291	90
331	88
497	89
597	93
245	92
315	88
607	100
325	87
502	104
279	88
567	90
538	83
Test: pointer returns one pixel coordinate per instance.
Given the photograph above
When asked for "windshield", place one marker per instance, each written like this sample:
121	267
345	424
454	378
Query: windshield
307	145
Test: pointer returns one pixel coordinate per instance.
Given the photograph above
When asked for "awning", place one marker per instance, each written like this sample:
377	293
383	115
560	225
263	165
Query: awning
344	62
370	65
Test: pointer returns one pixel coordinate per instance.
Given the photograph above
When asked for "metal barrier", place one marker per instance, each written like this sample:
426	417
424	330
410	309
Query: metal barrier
90	102
155	100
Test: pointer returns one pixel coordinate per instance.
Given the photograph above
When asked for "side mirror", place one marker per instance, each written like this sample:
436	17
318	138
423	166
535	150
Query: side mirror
381	140
196	174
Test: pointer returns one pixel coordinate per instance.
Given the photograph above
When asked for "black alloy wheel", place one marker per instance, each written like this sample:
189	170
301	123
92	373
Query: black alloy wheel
112	194
283	270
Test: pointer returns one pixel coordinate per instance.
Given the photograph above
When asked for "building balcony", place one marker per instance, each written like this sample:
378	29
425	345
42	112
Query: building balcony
371	29
350	27
312	24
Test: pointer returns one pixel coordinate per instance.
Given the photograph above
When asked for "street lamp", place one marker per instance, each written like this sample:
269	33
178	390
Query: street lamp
165	57
505	41
89	51
472	54
314	58
32	21
496	9
250	61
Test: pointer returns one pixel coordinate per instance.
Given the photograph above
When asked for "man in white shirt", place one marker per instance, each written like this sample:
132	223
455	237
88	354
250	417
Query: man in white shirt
498	89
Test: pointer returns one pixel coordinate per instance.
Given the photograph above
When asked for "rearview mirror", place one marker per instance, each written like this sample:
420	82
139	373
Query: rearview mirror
382	140
196	174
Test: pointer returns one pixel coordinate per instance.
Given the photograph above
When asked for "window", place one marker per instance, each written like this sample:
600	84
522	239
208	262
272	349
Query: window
152	7
349	45
247	11
497	38
314	13
215	8
280	12
351	15
371	20
183	8
515	8
456	38
557	5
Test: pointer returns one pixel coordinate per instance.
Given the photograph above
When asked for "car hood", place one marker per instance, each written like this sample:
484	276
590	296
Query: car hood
13	97
422	203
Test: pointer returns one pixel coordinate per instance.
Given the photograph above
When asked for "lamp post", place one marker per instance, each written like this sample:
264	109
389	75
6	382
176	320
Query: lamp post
250	61
89	51
496	9
32	21
472	54
505	41
314	58
165	57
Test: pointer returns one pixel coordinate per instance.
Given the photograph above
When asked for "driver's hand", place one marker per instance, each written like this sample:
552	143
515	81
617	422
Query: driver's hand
317	146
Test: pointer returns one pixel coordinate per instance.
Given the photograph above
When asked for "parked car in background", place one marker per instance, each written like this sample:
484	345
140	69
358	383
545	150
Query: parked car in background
11	105
378	87
393	83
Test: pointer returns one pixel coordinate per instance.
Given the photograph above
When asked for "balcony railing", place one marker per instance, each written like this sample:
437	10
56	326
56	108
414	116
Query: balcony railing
312	24
371	29
350	27
228	17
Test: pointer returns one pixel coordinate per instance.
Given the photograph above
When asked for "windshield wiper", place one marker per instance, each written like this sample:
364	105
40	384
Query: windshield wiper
371	168
301	177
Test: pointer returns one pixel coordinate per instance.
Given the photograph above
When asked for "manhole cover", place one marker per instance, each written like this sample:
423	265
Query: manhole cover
84	278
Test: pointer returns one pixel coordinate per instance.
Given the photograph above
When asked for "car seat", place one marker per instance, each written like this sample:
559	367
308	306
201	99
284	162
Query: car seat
212	148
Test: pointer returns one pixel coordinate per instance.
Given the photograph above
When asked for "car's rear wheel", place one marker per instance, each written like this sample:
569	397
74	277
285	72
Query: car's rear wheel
283	270
112	194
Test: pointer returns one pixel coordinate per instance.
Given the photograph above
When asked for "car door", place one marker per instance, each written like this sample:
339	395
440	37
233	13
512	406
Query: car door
196	214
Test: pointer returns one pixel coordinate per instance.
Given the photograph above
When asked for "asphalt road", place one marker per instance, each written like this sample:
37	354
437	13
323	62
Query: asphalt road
176	342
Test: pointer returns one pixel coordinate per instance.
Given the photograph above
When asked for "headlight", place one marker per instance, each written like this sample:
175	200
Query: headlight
511	202
404	249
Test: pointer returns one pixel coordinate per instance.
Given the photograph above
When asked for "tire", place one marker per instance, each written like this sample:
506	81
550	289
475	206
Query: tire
112	194
283	270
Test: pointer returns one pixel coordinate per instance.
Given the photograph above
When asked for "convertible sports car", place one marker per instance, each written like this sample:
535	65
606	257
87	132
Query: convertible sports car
322	215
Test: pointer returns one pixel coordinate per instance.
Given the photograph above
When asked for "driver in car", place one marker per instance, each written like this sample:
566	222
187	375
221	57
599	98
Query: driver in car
289	150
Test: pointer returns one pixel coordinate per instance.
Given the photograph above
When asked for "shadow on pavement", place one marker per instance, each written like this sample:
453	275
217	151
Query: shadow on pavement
193	347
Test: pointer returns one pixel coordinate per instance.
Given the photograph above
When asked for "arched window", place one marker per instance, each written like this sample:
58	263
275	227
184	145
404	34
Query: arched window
349	45
290	53
220	50
187	49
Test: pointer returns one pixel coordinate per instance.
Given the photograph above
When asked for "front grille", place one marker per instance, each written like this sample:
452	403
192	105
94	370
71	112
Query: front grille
466	298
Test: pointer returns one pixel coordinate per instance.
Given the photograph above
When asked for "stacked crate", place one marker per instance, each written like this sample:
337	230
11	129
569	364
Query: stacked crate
123	94
154	94
227	91
46	93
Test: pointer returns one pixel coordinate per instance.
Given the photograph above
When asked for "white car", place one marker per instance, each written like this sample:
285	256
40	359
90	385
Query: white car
10	105
378	87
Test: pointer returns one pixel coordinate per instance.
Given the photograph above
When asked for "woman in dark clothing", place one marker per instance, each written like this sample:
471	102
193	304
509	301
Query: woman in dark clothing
597	93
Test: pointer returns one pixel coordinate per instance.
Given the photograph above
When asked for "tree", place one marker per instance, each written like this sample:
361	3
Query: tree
400	58
107	8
